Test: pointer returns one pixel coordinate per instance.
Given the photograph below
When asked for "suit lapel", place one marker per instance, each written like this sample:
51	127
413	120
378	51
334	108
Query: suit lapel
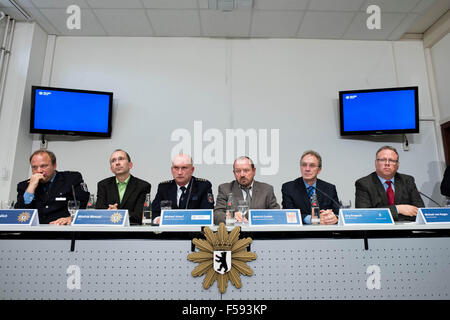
380	188
114	191
172	196
129	190
237	192
303	195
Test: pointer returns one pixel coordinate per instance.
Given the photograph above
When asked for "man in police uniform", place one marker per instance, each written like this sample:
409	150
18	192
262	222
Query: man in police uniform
49	190
123	190
184	191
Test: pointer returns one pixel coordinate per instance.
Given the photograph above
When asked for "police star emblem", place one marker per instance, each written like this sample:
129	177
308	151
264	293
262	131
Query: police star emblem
24	217
222	257
116	217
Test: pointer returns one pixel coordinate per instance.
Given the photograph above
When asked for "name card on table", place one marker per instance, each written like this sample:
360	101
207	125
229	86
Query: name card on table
433	215
365	216
173	218
275	217
117	218
25	217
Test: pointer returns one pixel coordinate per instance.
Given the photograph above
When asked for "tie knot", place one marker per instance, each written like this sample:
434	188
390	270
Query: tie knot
183	188
389	182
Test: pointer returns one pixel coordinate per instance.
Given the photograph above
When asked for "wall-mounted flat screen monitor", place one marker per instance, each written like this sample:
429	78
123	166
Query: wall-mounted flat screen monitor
71	112
379	111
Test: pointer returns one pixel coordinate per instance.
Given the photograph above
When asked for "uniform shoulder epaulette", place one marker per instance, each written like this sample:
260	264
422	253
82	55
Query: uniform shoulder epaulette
167	181
201	179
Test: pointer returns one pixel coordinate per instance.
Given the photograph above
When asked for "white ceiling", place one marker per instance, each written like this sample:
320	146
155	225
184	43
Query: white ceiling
317	19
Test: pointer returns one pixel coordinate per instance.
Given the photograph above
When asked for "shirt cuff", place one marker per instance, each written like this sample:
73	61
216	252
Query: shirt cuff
28	197
307	219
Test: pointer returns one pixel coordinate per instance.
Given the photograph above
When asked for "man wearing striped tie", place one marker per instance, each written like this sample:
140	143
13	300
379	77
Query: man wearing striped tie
386	188
307	191
258	194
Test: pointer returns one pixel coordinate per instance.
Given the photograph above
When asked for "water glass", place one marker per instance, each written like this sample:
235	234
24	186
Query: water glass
7	204
73	206
241	213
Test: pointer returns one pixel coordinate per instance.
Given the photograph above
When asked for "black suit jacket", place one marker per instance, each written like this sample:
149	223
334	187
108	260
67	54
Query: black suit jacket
133	198
370	193
200	196
52	203
295	196
445	184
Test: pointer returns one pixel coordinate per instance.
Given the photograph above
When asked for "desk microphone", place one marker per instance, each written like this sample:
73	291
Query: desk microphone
326	195
423	194
189	194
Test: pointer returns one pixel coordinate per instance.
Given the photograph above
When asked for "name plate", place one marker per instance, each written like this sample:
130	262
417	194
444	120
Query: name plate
117	218
23	217
275	217
365	216
198	217
433	215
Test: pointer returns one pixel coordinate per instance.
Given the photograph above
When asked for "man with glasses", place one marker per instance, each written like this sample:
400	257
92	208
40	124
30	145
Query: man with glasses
306	191
123	190
386	188
184	191
258	194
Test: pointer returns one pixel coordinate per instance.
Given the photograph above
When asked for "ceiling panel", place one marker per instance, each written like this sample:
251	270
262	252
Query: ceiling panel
281	4
124	22
393	5
266	18
358	29
115	4
336	5
325	25
276	23
225	24
170	4
181	23
89	23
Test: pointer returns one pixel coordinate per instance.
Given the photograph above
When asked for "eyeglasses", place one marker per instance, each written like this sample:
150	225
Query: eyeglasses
384	160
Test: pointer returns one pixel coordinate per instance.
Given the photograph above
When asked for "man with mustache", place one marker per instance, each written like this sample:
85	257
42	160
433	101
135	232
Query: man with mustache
259	195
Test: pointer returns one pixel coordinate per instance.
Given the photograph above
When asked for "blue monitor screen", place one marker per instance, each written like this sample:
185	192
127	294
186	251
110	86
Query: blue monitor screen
377	111
69	111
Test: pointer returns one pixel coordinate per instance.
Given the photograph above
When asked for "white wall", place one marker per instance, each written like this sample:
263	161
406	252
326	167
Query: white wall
440	54
25	67
162	85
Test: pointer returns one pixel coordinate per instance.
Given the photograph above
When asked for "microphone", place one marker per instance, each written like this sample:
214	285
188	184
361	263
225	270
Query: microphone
423	194
326	195
189	194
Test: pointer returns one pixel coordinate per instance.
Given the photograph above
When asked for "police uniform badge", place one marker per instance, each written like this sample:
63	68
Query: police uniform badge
84	187
210	198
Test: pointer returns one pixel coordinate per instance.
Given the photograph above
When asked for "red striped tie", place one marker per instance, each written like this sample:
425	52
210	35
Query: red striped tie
390	193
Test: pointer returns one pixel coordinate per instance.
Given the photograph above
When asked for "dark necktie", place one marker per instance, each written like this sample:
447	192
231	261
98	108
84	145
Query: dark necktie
310	191
390	193
183	198
248	197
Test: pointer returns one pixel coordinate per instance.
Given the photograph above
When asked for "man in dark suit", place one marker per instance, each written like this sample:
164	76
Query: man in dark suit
386	188
184	191
259	195
49	190
297	194
123	191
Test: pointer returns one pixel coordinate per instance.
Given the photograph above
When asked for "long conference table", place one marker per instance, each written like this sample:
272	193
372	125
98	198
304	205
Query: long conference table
381	262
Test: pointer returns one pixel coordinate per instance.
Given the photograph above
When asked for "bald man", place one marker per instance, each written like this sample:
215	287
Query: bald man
184	191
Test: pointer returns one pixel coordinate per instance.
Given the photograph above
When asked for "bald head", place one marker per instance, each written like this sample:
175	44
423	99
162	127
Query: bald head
182	169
